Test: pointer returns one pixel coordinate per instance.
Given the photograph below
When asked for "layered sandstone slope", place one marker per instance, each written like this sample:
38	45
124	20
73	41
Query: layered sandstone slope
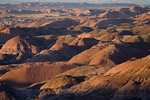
20	44
20	48
73	77
122	82
111	53
66	80
28	75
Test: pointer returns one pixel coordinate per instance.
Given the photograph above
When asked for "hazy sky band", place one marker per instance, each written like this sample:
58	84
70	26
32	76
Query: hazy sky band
146	2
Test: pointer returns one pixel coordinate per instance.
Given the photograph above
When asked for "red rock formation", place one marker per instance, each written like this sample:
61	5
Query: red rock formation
121	82
108	54
28	75
20	48
19	44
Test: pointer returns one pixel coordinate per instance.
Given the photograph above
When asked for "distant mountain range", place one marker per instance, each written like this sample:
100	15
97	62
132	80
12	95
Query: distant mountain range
143	2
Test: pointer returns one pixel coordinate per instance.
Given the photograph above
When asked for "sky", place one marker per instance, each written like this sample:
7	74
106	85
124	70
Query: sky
146	2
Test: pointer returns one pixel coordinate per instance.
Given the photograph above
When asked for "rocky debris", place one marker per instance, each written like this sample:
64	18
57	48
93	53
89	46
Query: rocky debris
45	94
63	82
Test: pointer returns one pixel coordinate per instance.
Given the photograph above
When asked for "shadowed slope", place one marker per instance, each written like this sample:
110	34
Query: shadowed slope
19	49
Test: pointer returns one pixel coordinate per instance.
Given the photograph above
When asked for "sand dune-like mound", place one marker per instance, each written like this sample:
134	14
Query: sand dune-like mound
29	75
19	44
71	77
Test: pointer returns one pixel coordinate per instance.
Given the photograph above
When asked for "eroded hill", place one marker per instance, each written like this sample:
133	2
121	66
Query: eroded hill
94	54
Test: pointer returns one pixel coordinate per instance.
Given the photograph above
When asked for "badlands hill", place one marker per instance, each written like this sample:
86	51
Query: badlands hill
95	54
61	24
34	73
107	54
19	49
126	79
63	50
